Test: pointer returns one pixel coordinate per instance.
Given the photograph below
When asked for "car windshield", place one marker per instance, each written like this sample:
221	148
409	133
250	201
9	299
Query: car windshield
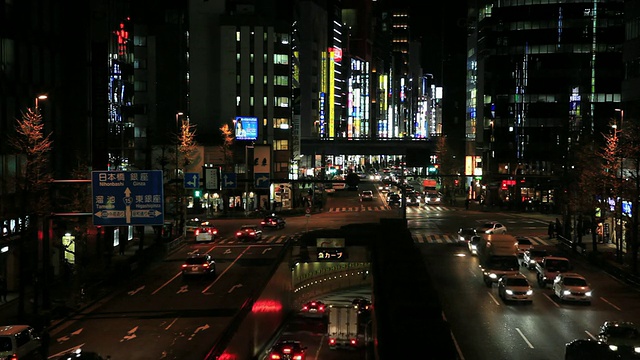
537	253
517	282
524	242
557	265
504	263
487	226
572	281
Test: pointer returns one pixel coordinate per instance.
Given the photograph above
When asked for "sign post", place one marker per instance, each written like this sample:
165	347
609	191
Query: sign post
127	198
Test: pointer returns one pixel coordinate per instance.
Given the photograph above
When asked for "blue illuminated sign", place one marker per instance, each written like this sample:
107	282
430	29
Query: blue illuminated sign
122	198
246	127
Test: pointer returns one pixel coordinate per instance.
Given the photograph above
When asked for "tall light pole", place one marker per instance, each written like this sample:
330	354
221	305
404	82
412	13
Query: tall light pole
39	97
175	179
619	245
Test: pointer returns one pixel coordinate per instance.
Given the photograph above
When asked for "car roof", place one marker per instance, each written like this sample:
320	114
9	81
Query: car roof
198	255
12	329
572	275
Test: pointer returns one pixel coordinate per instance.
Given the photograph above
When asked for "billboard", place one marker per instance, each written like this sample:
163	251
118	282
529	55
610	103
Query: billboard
246	128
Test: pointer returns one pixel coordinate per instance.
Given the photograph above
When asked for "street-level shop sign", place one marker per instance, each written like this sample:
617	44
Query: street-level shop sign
122	198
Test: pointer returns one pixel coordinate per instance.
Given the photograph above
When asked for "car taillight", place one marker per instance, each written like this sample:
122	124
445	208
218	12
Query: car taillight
297	357
262	222
354	342
215	232
252	233
321	308
239	233
197	232
286	350
274	356
13	357
205	265
184	266
305	308
332	341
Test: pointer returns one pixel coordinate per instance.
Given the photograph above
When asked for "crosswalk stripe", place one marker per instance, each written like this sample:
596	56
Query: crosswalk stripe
453	239
410	209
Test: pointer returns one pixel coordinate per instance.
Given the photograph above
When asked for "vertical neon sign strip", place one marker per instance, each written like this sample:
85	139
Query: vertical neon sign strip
331	112
323	94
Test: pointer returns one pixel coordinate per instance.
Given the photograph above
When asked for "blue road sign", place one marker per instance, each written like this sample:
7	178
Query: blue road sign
229	181
192	180
122	198
261	180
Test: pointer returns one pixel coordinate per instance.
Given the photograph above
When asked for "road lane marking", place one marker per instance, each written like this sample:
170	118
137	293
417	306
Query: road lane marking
171	324
525	338
552	301
611	304
225	270
493	298
591	335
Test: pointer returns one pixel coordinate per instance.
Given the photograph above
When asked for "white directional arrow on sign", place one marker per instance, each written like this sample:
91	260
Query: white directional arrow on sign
145	213
194	182
227	183
261	179
110	214
127	202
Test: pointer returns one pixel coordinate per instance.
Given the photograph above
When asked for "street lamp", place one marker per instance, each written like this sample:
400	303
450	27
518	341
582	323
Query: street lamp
39	97
619	245
178	128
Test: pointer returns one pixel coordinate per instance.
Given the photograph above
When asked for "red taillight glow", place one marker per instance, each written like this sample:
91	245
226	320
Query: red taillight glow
354	341
305	308
252	233
286	350
197	232
205	265
313	303
13	357
321	308
262	223
297	357
239	233
332	341
184	265
274	357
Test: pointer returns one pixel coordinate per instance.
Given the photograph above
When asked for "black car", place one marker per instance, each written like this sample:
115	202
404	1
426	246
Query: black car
288	350
363	304
394	200
199	264
588	349
273	221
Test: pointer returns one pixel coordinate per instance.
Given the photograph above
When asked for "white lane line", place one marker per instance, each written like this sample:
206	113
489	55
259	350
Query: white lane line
550	299
524	338
493	298
610	303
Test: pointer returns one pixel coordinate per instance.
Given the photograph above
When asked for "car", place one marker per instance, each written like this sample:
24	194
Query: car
313	308
523	245
249	232
588	349
199	264
191	225
571	286
533	256
432	198
394	199
465	234
80	354
363	304
492	227
413	200
20	342
385	185
273	221
366	195
515	287
621	337
473	244
205	232
288	350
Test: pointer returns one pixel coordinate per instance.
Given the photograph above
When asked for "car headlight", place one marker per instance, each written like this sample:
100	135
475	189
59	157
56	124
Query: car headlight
529	292
473	247
487	231
532	261
636	349
588	293
509	292
613	347
566	292
493	276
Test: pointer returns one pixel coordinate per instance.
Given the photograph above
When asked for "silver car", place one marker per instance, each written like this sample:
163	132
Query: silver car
572	287
515	288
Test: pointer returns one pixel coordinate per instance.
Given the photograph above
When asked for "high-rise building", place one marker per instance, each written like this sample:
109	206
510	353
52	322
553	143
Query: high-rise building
541	75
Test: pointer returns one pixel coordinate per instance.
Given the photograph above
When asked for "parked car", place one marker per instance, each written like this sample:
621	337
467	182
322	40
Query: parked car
199	264
273	221
20	342
515	288
288	350
206	232
492	227
249	232
622	337
572	287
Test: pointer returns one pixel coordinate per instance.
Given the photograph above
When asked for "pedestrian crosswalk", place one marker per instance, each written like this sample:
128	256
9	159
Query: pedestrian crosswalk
267	239
453	239
410	209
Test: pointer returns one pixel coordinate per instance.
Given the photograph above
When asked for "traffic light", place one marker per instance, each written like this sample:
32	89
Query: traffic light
197	193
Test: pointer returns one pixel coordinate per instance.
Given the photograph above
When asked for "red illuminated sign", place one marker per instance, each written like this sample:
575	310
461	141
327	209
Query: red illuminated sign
337	54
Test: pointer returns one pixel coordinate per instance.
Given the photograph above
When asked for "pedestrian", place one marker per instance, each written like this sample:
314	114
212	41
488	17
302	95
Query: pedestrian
3	289
552	229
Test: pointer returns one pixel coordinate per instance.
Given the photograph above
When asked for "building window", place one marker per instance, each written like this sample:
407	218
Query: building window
251	101
265	101
281	101
140	86
281	145
281	123
280	59
238	57
281	80
237	100
237	79
251	79
238	36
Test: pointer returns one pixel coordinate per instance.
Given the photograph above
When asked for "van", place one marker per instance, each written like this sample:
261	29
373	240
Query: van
20	342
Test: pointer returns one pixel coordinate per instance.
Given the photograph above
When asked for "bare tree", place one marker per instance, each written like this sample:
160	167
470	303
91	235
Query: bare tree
33	181
630	185
225	148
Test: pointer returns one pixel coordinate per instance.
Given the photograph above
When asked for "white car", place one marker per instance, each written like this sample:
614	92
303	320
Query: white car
522	246
533	256
492	227
515	288
572	287
366	195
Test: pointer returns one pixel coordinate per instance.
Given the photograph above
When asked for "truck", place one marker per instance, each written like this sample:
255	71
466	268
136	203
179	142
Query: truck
498	256
549	267
342	329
